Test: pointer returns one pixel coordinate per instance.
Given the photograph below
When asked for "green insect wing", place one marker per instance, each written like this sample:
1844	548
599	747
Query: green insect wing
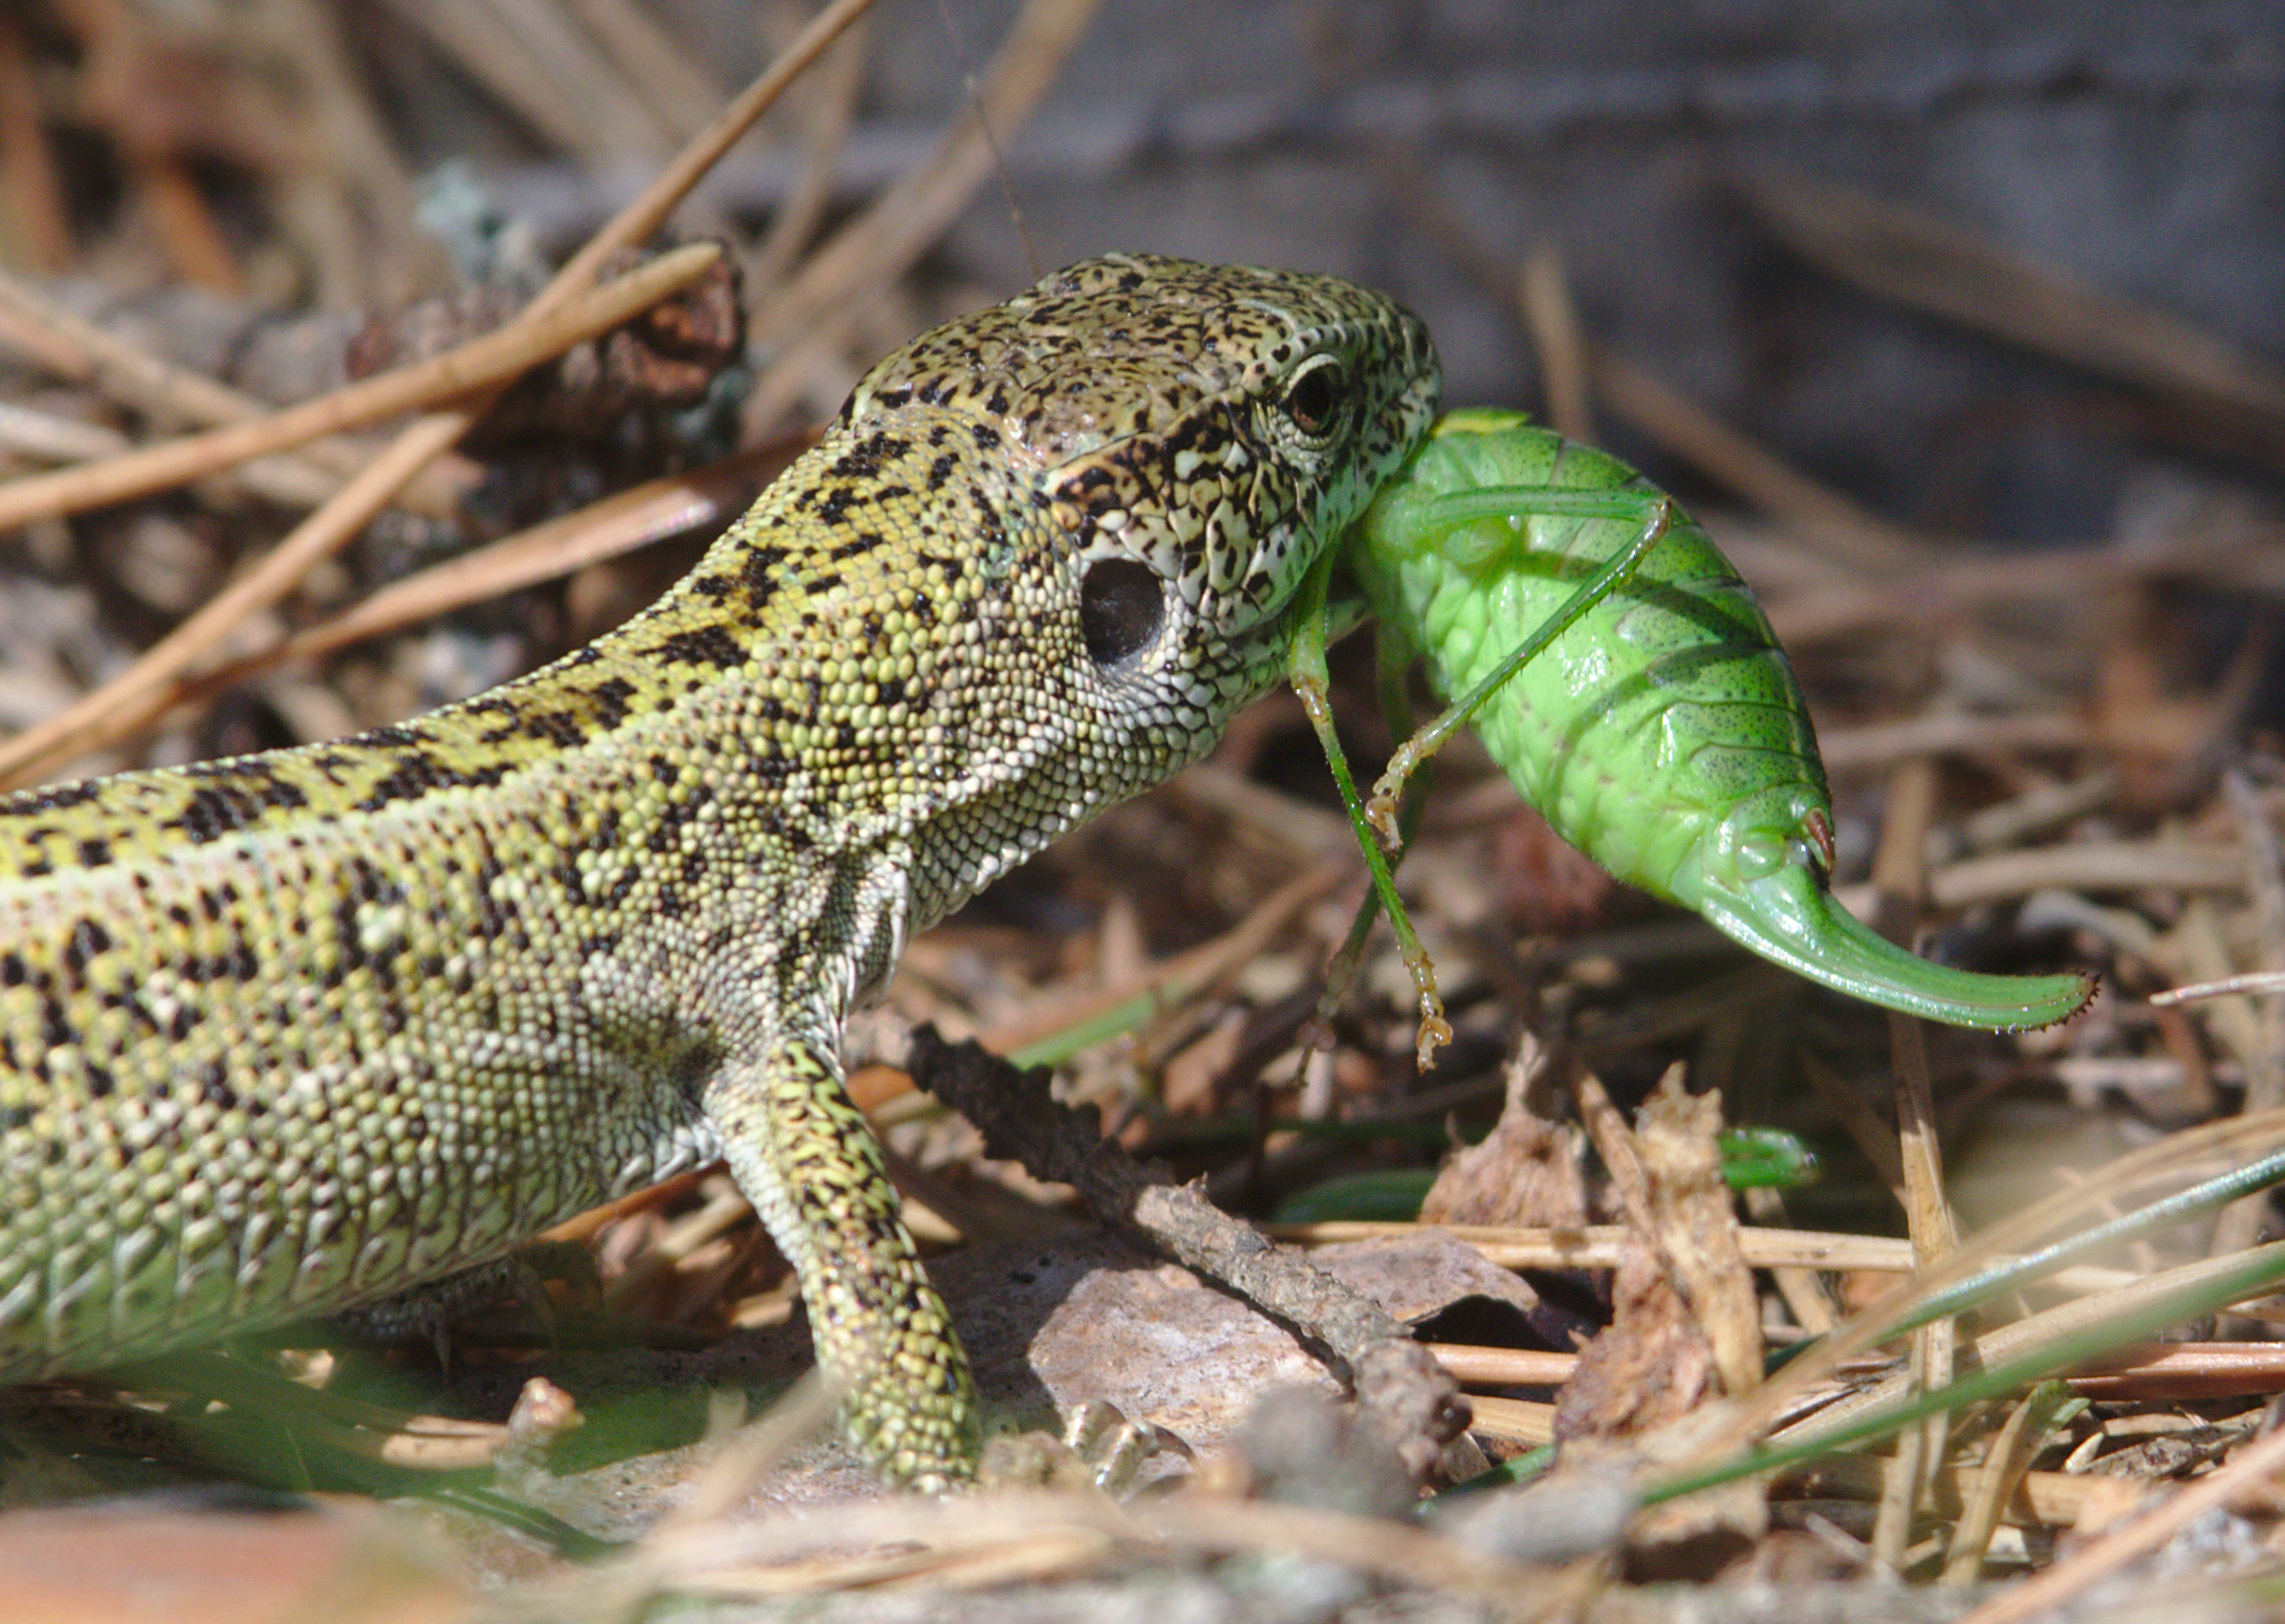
1663	734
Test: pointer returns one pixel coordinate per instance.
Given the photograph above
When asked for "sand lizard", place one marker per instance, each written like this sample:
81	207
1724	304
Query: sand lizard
294	1031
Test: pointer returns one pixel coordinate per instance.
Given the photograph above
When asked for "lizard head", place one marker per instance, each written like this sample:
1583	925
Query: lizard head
1194	437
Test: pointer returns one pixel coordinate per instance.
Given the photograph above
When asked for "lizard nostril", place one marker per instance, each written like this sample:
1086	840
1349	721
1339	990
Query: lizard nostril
1121	607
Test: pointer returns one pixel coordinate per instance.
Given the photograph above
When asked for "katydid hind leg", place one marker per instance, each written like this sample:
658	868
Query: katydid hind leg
1658	517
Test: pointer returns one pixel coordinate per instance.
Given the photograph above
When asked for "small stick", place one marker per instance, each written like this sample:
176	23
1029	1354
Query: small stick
1596	1245
185	224
2229	986
2088	865
1544	295
70	345
28	188
496	358
1395	1379
2073	1574
631	519
330	528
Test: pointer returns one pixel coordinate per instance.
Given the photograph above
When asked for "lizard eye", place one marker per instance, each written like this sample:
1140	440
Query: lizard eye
1314	400
1121	607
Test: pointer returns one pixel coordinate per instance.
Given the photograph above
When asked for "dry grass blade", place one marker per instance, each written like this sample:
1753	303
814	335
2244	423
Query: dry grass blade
672	84
2006	1463
1881	744
2230	1141
828	119
472	35
910	214
1371	1545
634	518
46	438
2089	865
2074	1573
328	528
615	123
899	226
32	212
2268	981
1511	1420
649	212
1544	294
496	358
2057	1327
73	347
2055	1500
1167	983
619	524
1504	1366
2173	1371
1596	1246
1919	261
1899	880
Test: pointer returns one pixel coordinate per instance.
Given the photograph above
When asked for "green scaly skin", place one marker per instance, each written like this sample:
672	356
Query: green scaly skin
288	1033
1663	734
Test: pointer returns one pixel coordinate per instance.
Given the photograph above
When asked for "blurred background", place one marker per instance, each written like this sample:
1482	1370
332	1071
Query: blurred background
1428	146
1961	324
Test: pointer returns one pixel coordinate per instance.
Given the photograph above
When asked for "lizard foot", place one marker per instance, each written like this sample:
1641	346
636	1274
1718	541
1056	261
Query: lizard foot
1099	1449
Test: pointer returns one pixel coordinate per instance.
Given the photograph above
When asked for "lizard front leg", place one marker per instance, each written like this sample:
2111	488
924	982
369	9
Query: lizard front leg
801	1150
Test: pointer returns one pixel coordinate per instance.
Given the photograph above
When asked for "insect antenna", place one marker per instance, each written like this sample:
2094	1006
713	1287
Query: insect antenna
991	139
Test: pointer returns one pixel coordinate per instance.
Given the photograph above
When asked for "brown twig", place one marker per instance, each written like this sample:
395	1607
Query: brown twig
481	363
827	120
1596	1245
1900	880
1544	296
2087	865
29	192
674	85
2075	1572
910	214
474	37
328	528
73	347
605	530
1397	1382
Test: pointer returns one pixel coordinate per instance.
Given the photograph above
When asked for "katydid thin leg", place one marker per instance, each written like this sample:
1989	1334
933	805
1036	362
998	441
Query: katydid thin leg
1395	656
1305	668
1380	811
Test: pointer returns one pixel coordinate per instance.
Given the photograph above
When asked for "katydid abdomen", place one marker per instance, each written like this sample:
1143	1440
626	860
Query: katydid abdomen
1663	732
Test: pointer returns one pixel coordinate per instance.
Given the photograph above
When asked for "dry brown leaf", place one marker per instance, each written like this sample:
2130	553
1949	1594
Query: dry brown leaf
1526	1172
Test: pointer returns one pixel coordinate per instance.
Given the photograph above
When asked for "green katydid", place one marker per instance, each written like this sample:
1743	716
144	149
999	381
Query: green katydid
1650	716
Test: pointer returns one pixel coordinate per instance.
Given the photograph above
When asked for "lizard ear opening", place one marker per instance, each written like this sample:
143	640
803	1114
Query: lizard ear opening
1121	607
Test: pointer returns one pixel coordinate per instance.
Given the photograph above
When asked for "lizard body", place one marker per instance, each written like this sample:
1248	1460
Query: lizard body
292	1032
